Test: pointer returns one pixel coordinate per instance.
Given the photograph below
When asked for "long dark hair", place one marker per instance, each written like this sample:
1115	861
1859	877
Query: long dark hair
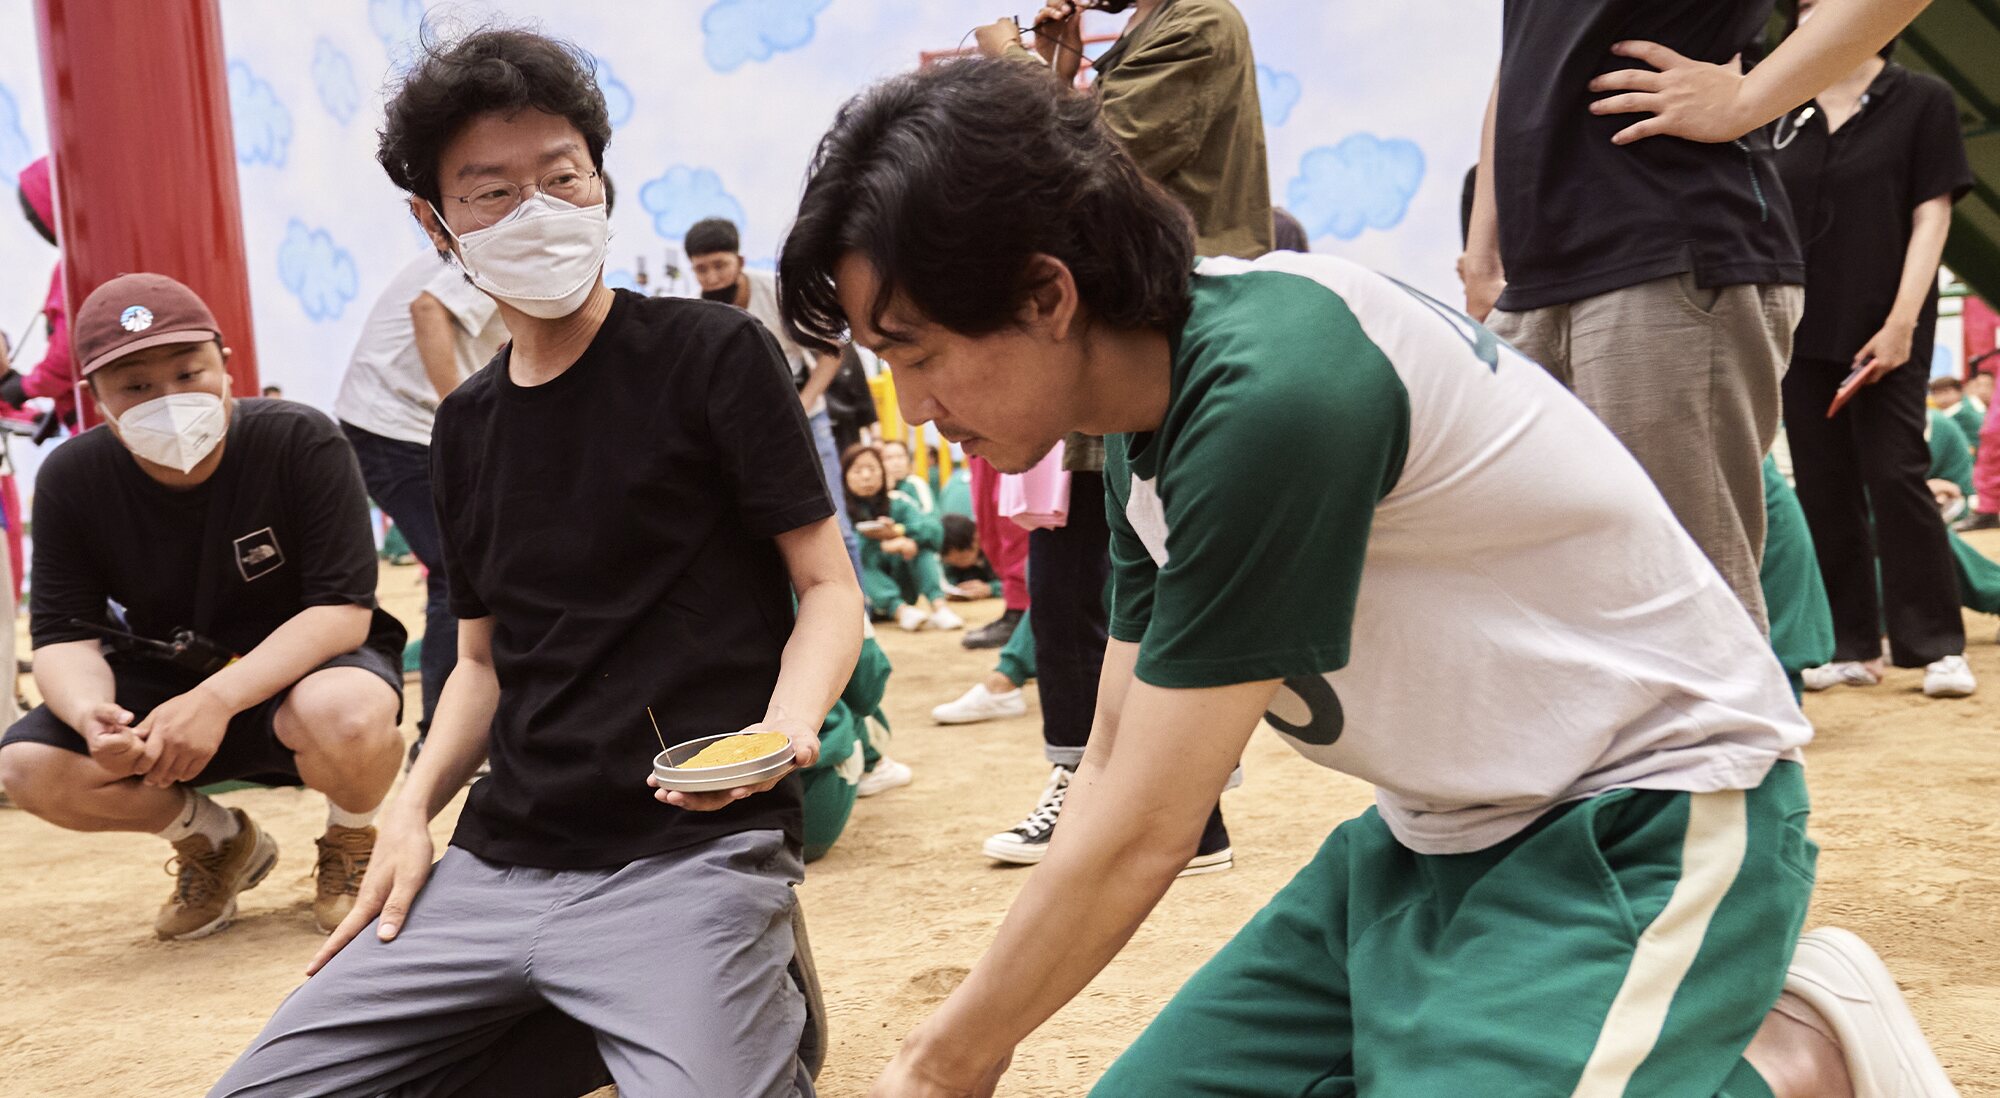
863	508
950	179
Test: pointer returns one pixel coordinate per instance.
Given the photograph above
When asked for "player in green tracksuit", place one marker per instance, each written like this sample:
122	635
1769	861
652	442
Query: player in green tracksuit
1342	509
847	750
1794	594
899	546
1951	462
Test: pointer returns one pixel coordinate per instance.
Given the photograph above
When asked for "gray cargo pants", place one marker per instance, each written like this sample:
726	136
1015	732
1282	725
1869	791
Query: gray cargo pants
669	971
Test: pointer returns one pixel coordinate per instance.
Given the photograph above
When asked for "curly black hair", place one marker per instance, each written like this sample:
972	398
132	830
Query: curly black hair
491	69
949	180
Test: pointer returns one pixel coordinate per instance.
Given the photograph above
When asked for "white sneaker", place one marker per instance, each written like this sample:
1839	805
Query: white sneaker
1887	1056
1844	673
1027	841
1949	678
910	619
944	620
887	775
980	704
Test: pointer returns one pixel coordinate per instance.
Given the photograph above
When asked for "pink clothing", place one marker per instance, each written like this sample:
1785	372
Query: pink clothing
1986	466
55	375
1005	544
1039	498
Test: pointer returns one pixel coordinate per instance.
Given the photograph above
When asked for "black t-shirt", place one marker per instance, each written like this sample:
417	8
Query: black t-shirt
1580	216
281	526
617	523
1853	192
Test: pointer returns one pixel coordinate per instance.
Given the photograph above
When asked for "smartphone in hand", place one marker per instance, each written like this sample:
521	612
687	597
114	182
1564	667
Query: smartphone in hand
1848	387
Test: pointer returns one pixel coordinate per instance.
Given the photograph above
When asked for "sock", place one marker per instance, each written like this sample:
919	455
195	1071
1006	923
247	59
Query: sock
202	816
337	816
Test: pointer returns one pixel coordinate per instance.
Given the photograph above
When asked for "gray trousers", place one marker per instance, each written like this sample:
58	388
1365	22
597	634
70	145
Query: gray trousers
666	975
1687	378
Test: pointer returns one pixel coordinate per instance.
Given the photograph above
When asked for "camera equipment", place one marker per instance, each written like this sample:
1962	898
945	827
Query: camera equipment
188	650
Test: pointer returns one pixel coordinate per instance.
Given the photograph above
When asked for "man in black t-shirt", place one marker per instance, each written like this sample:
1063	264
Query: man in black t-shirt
629	500
1660	280
204	610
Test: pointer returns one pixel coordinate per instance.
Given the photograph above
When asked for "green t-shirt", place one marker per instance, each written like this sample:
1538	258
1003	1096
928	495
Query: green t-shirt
1951	457
1970	415
1473	595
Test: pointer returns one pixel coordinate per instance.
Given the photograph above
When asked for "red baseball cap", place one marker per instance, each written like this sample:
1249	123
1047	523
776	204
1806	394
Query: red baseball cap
135	311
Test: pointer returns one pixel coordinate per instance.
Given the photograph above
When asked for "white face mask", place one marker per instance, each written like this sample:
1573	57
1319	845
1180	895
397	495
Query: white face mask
177	430
542	259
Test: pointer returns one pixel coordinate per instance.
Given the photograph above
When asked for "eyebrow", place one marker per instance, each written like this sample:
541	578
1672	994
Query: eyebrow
468	171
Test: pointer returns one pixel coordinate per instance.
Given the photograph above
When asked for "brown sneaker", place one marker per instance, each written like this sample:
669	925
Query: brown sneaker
207	880
343	858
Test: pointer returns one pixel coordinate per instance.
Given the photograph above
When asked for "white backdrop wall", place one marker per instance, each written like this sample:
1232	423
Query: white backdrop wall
1371	108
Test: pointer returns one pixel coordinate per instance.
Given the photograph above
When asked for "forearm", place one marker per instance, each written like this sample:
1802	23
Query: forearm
1482	235
824	367
73	678
311	637
1838	37
821	653
436	343
1930	224
461	728
1133	816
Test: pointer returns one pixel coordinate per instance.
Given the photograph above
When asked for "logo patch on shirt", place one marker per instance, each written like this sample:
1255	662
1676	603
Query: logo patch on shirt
258	554
1307	709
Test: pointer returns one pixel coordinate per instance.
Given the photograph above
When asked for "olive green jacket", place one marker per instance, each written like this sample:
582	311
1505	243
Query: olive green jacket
1180	92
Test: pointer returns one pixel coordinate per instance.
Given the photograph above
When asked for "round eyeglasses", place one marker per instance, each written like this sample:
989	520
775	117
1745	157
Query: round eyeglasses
494	199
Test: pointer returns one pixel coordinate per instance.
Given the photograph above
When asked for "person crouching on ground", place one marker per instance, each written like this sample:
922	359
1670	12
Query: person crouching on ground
628	500
244	522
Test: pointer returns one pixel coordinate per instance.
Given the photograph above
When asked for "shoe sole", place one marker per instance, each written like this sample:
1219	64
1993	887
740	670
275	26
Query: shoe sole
1014	853
262	870
1952	692
942	719
1916	1061
1203	864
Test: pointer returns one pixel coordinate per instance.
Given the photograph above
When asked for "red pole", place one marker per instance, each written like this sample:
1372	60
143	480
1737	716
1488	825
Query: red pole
144	155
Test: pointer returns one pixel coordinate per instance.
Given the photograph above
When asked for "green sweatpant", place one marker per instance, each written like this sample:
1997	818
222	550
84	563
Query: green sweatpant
1978	577
1017	656
1627	944
889	581
847	750
1794	593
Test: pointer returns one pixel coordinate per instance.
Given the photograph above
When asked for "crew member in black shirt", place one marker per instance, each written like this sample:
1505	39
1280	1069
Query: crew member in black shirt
629	500
239	529
1659	280
1872	166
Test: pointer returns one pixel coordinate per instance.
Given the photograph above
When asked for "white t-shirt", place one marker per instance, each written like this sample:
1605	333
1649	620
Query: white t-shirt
1475	597
764	306
386	391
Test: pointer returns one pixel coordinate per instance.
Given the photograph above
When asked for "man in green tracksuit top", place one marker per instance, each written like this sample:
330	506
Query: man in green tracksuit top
1587	867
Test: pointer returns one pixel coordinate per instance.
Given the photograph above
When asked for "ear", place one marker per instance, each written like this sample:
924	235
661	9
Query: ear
427	218
1052	304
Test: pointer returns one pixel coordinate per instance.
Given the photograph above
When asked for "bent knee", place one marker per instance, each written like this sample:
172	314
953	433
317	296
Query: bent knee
43	780
338	721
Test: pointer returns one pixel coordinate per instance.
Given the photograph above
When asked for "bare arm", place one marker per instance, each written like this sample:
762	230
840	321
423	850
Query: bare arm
819	657
1704	102
824	367
1889	348
1133	817
437	342
460	729
1480	269
73	679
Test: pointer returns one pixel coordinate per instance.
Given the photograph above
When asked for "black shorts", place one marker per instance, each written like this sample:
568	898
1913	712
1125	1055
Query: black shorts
250	749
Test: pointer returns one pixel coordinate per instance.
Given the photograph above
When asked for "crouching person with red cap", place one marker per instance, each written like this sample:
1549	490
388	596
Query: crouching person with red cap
203	610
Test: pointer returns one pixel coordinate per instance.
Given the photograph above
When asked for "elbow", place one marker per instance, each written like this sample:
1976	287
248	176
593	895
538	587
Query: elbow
427	311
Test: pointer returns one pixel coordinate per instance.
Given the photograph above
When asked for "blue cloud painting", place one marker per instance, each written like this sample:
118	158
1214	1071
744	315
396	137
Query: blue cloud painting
317	271
684	196
15	152
1365	182
617	97
263	123
333	78
754	30
1277	93
399	24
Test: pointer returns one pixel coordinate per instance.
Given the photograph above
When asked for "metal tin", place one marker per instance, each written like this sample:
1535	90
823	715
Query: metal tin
709	779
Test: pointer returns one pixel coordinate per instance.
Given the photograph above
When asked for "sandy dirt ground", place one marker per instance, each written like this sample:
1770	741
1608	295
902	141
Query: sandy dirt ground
1907	810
